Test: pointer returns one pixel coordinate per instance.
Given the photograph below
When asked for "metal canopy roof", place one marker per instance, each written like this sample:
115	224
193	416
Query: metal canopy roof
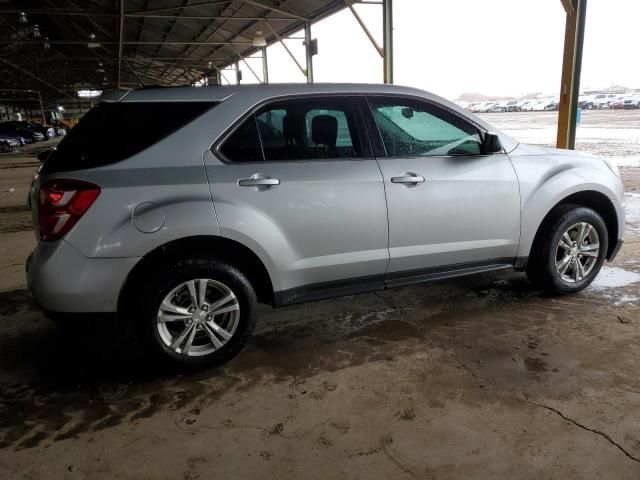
136	42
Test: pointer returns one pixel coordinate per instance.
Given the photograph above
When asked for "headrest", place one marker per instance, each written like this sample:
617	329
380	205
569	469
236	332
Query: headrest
293	128
324	130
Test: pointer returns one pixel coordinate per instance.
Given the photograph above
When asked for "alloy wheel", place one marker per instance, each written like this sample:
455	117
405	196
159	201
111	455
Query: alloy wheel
198	317
577	252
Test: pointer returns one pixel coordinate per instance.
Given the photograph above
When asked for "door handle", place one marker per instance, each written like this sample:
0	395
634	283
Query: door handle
409	179
259	180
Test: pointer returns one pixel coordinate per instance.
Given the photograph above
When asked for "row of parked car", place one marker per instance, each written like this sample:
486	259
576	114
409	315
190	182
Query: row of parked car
603	101
586	102
15	134
536	105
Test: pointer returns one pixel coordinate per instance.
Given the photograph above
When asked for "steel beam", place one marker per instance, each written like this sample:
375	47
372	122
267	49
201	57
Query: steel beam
274	9
246	63
387	39
120	44
29	74
182	7
571	71
308	52
140	80
128	42
44	121
203	17
143	15
365	29
293	57
265	65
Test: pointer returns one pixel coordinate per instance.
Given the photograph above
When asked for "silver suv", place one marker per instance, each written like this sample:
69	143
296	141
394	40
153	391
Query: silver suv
181	208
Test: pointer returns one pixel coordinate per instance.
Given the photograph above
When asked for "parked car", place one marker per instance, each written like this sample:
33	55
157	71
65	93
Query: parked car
512	106
22	137
601	101
617	104
585	102
8	143
487	107
44	131
476	107
215	199
631	102
540	105
47	130
60	131
528	106
13	127
611	98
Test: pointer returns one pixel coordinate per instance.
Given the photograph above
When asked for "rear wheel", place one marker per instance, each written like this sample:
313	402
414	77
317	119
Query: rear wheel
198	312
569	250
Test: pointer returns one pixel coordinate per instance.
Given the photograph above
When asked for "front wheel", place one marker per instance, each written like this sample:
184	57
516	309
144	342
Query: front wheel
568	251
197	312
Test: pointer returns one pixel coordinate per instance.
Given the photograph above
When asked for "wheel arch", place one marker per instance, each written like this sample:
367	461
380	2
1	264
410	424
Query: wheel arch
238	254
595	200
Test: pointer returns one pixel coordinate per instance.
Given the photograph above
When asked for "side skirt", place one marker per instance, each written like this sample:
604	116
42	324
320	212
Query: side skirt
353	286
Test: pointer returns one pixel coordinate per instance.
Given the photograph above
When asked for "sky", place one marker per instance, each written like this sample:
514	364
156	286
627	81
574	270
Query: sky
493	47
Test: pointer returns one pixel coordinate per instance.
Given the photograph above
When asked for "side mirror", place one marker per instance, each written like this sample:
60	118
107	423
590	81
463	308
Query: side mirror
44	155
492	143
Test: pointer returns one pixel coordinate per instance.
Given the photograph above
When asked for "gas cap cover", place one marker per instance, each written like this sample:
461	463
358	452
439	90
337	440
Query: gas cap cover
148	217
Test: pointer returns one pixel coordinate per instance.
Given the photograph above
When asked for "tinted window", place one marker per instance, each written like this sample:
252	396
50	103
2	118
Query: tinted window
112	132
308	129
411	129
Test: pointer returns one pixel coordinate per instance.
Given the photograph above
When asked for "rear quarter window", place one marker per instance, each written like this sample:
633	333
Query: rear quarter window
111	132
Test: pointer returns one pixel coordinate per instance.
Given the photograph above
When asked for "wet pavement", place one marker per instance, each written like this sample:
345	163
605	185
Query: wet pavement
480	377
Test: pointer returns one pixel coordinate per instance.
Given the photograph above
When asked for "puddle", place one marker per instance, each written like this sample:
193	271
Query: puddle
614	277
627	161
626	299
632	209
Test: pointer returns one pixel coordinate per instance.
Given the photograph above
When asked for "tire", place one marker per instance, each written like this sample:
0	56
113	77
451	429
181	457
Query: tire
160	325
548	256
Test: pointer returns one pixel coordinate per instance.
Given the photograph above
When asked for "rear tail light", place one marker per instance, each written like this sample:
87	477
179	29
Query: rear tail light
61	203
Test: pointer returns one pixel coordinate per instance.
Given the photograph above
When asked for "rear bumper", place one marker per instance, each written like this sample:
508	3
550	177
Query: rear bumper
61	279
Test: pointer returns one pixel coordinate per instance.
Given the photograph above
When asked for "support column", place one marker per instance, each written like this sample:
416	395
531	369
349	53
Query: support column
213	77
571	71
265	66
41	107
308	48
387	39
238	73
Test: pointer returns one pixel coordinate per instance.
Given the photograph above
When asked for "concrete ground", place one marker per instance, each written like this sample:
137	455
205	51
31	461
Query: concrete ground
480	377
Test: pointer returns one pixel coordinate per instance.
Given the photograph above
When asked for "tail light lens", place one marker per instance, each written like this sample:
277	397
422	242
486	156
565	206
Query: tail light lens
61	203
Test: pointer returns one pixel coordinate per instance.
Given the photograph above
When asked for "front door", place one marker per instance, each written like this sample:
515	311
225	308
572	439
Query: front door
450	206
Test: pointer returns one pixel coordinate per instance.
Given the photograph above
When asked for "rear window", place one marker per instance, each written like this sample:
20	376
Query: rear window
111	132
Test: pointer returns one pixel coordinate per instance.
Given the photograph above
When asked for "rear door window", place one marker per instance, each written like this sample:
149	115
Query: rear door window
297	129
309	128
111	132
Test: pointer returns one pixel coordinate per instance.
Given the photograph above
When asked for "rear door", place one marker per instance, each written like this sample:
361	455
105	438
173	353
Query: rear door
295	181
450	206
